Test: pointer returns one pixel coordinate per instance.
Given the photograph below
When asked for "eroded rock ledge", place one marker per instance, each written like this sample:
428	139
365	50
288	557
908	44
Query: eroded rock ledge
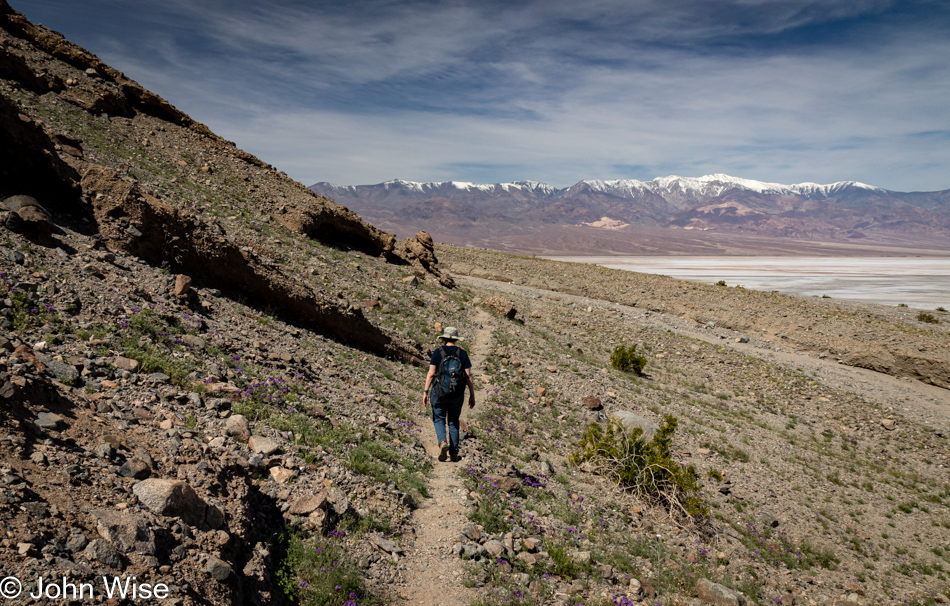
139	224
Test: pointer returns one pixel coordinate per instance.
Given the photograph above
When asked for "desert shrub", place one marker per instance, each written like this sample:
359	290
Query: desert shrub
644	468
372	521
925	317
626	359
721	283
940	309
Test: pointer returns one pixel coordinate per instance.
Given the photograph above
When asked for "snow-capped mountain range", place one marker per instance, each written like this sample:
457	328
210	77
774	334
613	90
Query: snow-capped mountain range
714	185
707	185
846	210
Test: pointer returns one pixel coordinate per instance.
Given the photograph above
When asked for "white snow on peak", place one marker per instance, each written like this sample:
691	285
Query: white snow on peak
403	184
707	185
468	186
716	184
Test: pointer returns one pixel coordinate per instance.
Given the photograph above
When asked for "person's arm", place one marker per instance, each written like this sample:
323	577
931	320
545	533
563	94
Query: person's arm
471	388
429	377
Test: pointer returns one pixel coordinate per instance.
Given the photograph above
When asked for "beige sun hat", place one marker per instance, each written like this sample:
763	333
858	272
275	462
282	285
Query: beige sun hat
451	334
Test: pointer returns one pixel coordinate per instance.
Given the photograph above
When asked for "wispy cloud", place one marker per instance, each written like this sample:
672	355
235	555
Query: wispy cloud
556	91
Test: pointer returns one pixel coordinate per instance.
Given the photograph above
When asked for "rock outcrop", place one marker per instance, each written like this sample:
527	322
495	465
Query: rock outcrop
500	306
100	88
420	251
140	224
324	220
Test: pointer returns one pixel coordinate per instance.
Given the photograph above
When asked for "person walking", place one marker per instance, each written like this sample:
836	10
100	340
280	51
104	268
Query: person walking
450	372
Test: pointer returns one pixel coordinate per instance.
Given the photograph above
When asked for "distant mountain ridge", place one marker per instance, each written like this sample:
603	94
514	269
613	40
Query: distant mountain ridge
719	203
706	185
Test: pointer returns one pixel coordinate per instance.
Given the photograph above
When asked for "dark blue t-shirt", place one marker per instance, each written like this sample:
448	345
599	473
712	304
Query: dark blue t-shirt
466	364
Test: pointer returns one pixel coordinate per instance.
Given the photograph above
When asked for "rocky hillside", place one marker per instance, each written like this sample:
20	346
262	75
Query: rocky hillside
210	377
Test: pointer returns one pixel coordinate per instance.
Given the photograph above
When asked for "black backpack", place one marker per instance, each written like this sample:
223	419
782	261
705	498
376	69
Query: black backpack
450	377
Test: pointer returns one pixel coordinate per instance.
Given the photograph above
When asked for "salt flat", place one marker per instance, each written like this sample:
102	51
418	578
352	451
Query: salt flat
922	282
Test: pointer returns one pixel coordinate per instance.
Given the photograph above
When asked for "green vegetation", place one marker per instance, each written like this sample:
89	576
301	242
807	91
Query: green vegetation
491	511
317	573
645	468
626	359
928	318
28	313
384	464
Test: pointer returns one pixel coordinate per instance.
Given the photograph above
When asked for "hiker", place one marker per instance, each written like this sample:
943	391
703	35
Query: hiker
450	370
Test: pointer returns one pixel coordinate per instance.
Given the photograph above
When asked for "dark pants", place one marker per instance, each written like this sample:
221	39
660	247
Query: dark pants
449	411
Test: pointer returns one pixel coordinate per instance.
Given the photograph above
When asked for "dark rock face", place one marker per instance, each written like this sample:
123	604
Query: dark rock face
28	159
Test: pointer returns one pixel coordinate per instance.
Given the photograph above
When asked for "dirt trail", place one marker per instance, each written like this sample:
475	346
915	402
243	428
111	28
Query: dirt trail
435	574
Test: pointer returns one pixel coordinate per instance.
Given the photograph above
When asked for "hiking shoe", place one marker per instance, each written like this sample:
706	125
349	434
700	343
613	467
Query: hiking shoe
456	457
443	451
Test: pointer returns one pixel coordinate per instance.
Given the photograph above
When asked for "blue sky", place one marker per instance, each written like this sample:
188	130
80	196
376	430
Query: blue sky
363	91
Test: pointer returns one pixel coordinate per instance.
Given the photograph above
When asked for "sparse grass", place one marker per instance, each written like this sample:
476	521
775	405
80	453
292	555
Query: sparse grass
492	510
562	564
373	521
316	572
383	464
776	547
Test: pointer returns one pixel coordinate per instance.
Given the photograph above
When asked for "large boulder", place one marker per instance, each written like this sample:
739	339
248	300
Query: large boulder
238	428
501	306
31	219
263	446
173	498
127	532
306	505
631	420
718	595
